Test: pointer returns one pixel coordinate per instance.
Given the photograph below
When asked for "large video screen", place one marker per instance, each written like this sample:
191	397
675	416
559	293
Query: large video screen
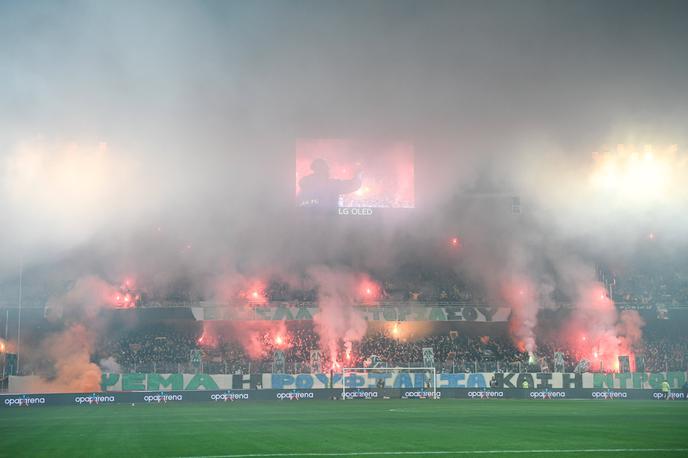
344	175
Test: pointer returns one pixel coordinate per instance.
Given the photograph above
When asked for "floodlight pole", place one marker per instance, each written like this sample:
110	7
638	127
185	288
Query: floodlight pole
4	350
21	273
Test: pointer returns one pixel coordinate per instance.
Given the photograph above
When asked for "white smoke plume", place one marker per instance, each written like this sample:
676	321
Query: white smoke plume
239	294
598	332
629	330
173	158
110	366
337	322
83	301
520	295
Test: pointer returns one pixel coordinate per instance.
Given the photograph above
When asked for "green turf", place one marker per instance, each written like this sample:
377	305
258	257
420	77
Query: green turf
352	426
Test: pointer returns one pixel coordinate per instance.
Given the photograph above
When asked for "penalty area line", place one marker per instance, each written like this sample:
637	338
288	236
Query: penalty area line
446	452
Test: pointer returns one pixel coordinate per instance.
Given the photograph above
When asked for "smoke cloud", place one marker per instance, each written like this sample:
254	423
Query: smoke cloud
67	355
110	366
600	334
156	141
84	301
63	358
337	322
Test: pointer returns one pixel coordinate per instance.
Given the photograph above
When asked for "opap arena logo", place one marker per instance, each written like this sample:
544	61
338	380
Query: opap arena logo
485	394
609	394
361	394
163	397
229	396
296	395
548	394
24	401
93	399
671	396
421	394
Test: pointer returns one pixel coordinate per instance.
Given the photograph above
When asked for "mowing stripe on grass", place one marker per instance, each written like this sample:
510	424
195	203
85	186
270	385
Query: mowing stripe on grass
448	452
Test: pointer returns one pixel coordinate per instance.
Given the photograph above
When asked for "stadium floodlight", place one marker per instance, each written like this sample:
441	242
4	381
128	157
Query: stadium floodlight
633	175
426	375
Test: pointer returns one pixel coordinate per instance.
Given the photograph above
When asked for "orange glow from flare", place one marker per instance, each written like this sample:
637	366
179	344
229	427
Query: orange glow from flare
521	345
369	290
208	338
255	292
594	336
125	301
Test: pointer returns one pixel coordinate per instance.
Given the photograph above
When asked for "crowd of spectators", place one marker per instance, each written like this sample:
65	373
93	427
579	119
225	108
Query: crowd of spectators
655	286
442	286
151	348
666	354
169	350
420	288
670	289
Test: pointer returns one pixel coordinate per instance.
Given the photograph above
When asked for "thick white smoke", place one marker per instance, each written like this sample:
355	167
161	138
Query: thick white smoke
520	295
82	303
337	322
110	366
56	195
596	331
238	295
173	157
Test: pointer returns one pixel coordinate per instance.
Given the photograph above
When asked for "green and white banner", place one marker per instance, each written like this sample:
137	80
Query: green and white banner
291	312
165	382
392	379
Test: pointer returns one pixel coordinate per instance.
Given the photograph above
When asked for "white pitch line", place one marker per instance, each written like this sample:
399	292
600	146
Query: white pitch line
448	452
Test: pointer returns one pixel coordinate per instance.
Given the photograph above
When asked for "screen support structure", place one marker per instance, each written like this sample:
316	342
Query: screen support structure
430	374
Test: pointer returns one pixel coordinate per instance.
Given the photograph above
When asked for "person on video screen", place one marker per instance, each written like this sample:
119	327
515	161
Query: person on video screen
319	190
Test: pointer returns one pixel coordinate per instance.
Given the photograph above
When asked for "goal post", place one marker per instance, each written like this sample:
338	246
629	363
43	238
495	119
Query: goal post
423	379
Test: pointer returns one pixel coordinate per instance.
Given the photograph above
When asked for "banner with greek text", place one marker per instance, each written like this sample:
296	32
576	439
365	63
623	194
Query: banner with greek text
290	312
392	379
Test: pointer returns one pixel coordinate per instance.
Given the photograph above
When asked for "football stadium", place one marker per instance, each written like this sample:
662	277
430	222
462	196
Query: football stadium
329	228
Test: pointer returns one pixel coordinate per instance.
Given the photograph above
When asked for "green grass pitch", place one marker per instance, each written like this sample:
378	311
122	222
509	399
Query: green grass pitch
415	428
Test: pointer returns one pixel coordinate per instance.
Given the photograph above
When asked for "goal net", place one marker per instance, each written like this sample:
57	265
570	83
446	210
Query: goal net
417	382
